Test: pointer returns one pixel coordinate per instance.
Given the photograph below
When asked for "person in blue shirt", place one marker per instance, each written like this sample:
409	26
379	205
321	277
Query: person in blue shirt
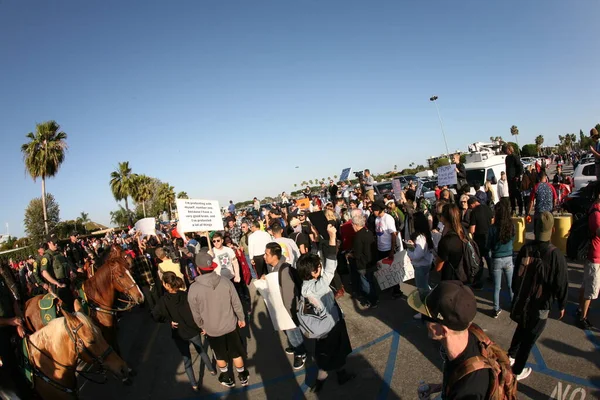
231	208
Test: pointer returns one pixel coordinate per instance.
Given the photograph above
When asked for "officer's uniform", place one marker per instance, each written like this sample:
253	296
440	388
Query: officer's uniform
76	254
56	265
35	278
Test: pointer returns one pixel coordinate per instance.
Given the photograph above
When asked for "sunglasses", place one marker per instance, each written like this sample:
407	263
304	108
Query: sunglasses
217	241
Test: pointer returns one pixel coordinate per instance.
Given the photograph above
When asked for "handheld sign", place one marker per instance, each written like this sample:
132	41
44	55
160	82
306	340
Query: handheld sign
146	226
303	204
199	215
345	174
447	175
320	222
392	272
397	188
419	190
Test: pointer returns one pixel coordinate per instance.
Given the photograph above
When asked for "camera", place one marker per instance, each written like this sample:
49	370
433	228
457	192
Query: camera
359	175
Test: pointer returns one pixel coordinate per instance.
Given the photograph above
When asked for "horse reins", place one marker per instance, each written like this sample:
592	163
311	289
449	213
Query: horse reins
130	302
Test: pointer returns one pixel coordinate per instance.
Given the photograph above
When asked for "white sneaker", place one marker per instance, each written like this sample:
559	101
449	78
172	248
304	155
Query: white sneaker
524	374
512	361
417	316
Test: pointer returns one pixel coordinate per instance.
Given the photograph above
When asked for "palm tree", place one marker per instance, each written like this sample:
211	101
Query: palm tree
122	183
43	155
84	219
166	195
120	217
311	182
182	195
539	140
142	190
515	132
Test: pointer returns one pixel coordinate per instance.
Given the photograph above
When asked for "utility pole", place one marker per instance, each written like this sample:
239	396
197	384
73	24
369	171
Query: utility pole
433	99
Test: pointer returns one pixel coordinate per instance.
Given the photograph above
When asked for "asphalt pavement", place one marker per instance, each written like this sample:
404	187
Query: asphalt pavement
392	353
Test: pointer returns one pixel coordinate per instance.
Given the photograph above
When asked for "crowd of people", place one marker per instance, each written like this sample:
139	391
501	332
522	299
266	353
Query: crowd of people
199	283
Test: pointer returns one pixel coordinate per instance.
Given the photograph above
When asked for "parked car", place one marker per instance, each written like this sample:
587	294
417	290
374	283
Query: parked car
579	202
584	174
382	188
527	161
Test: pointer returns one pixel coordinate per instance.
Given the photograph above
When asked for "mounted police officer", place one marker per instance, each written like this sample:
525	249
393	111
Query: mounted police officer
38	285
56	271
75	252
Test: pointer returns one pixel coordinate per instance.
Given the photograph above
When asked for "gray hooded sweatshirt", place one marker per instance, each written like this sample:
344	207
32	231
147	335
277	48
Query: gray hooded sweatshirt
215	304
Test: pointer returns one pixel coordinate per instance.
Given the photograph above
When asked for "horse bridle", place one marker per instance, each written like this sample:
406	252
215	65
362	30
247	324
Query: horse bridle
130	302
78	341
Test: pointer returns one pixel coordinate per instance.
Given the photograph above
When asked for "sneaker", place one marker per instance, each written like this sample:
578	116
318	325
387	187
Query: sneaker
225	380
289	350
243	377
524	374
299	361
496	313
417	316
584	324
511	361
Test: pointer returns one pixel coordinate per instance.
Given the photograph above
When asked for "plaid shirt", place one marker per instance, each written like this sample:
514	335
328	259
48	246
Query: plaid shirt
142	271
235	234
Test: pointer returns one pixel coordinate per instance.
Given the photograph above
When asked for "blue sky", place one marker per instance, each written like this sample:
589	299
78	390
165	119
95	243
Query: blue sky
223	99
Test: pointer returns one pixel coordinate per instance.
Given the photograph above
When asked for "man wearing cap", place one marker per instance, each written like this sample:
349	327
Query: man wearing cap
55	271
448	311
531	315
387	236
300	238
218	311
75	252
595	149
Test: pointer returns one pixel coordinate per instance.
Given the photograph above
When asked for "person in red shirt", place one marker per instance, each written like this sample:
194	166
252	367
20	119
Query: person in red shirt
590	285
347	234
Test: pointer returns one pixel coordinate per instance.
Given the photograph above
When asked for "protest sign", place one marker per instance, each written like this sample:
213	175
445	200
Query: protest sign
199	215
303	204
146	225
319	221
392	272
397	188
270	292
447	175
419	190
345	174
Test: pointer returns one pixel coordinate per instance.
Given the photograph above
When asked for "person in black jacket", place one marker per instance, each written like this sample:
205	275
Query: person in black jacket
363	246
174	307
461	172
514	170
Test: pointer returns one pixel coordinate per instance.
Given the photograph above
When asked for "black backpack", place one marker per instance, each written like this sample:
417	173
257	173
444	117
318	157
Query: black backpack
470	263
532	292
579	239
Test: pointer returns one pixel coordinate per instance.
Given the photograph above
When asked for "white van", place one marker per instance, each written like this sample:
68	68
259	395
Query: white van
484	166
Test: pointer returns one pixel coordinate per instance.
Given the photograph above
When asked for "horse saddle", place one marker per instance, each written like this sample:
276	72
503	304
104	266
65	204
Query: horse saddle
48	305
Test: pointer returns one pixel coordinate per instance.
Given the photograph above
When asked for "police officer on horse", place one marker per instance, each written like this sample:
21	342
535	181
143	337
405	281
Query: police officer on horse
56	271
75	252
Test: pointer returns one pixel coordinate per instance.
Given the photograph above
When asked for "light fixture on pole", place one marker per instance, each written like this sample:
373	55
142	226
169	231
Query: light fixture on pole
433	99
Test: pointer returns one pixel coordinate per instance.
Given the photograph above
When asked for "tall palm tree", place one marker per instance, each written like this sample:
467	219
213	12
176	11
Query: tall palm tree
515	132
122	183
539	140
142	190
182	195
43	155
84	219
119	217
166	195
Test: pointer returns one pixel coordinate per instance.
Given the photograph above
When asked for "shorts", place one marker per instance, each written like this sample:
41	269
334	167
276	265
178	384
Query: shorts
227	346
591	281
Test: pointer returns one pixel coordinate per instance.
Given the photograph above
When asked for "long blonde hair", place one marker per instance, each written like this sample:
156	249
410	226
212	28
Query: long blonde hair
489	188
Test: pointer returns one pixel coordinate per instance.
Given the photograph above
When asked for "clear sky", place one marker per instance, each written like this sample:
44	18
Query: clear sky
223	99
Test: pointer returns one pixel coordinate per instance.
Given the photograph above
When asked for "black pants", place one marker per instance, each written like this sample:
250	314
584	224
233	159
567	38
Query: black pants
481	241
514	192
65	294
523	341
260	266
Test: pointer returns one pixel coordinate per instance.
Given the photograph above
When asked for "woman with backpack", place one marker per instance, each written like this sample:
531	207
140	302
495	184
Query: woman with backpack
500	241
420	248
173	307
332	344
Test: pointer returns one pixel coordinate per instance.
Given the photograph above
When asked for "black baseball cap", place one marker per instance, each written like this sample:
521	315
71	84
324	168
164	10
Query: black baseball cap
450	303
378	205
52	238
74	233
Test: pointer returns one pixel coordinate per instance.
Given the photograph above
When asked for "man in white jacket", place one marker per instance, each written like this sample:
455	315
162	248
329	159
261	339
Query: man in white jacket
257	243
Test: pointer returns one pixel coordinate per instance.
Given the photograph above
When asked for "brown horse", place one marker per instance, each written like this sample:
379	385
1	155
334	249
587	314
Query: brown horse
54	351
99	293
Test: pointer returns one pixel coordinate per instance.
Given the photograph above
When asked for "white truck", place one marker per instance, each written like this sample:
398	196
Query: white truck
484	165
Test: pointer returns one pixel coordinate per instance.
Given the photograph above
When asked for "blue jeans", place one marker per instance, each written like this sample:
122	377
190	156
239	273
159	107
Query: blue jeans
499	265
184	349
296	341
368	284
422	279
252	271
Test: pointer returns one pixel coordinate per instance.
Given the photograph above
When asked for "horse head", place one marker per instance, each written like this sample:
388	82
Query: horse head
123	281
116	252
91	346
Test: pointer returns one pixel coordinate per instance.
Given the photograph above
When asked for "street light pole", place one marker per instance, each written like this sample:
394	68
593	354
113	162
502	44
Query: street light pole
433	99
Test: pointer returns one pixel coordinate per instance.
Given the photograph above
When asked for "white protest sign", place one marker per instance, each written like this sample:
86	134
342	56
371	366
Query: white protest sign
397	188
419	190
146	225
345	174
199	215
391	274
269	290
447	175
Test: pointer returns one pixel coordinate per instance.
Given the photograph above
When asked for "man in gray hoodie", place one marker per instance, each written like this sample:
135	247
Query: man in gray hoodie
289	285
218	311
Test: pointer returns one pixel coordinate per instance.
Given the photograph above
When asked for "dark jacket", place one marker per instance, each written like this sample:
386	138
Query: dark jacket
514	167
361	249
461	175
174	307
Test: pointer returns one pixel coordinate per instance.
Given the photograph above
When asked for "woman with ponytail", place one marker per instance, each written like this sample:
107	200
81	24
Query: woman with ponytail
174	308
